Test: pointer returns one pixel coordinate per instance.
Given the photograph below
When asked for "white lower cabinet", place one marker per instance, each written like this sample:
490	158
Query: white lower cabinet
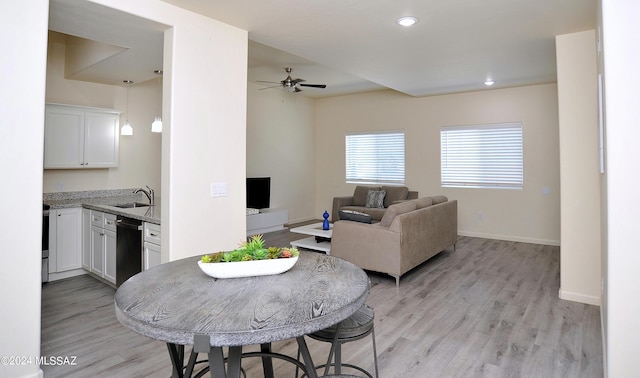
86	239
65	240
97	251
151	255
110	256
102	245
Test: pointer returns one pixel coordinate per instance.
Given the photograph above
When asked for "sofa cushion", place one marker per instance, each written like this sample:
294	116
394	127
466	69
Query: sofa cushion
355	216
423	202
375	198
439	199
376	212
360	194
394	193
394	210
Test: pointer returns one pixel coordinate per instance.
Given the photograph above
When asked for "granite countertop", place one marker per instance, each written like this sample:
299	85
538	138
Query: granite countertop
104	200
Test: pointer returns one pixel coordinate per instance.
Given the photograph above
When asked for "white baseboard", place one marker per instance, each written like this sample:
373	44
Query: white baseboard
67	274
520	239
305	219
265	230
577	297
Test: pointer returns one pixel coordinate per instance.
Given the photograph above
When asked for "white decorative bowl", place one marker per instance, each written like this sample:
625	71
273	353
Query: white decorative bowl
247	268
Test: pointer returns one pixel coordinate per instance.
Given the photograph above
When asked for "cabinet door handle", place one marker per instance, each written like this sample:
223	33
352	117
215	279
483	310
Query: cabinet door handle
152	234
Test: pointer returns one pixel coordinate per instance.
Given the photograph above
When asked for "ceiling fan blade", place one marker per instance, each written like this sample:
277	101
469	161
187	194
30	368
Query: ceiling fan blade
273	86
297	89
313	85
296	81
270	82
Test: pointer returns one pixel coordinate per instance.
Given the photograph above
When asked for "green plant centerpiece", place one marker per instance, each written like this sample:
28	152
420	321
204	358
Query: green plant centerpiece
250	250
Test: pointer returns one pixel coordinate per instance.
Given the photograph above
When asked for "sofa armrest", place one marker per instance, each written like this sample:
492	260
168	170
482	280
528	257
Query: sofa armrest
339	202
369	246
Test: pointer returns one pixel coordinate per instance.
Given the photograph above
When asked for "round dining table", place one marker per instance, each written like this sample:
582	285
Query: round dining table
180	305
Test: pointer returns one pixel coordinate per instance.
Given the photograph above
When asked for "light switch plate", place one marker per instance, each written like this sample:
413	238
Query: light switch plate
218	189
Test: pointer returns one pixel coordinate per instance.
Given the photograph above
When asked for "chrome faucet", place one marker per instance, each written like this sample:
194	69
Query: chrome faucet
149	193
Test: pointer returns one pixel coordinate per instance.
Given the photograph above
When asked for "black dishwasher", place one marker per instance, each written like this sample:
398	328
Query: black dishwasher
128	249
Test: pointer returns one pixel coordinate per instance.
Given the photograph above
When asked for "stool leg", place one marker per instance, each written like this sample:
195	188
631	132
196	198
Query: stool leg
375	353
298	358
267	364
306	356
338	366
334	345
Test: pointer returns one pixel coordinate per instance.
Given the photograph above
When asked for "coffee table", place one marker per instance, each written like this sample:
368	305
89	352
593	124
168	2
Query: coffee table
320	239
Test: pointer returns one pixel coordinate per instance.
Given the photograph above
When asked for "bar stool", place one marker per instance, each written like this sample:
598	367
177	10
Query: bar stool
355	327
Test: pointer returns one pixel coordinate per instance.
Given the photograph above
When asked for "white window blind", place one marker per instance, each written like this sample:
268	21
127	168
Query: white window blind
483	156
375	157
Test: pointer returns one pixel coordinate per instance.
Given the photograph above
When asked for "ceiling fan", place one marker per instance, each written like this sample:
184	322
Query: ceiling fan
290	84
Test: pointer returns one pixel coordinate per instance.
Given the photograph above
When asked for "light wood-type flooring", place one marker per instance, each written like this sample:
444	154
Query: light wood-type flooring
488	309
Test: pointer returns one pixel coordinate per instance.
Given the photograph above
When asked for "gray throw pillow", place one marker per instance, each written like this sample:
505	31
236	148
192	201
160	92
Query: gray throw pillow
375	198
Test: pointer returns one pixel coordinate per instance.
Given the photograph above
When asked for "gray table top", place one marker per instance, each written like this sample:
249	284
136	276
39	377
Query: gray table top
175	301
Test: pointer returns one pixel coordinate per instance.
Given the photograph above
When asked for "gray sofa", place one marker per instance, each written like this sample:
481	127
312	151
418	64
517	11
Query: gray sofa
408	234
358	201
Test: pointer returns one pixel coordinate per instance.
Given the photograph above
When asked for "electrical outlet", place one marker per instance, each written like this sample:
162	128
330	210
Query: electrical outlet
218	189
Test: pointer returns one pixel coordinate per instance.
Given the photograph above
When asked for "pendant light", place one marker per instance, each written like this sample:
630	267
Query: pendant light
127	129
156	126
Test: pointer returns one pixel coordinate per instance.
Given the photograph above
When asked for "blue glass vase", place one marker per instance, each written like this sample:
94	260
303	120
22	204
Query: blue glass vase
325	223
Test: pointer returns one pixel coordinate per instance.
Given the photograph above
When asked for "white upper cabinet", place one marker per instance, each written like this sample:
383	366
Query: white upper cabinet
77	137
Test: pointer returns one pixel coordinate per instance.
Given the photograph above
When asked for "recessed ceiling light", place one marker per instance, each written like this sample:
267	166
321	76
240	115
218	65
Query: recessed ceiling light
488	82
127	81
407	21
157	72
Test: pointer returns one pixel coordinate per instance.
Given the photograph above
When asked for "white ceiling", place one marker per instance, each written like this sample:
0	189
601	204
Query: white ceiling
355	46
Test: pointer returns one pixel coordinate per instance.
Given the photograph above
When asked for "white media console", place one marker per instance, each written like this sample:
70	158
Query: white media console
267	220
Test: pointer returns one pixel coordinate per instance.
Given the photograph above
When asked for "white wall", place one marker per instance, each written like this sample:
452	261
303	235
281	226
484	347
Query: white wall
530	215
23	38
140	155
621	33
280	144
579	167
204	129
205	109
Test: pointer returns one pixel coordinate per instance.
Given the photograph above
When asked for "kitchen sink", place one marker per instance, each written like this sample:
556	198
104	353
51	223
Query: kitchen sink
132	204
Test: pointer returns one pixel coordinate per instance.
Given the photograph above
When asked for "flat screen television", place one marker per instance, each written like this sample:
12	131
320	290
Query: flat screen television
258	192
